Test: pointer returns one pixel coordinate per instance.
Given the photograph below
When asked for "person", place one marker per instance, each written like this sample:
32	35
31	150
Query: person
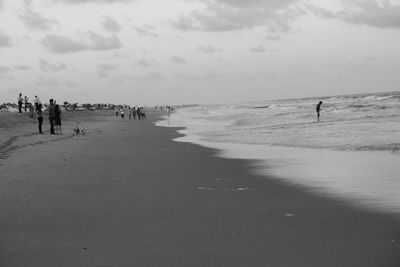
143	113
51	116
318	109
134	112
20	102
122	113
31	110
130	112
26	102
57	119
139	113
169	110
36	101
40	117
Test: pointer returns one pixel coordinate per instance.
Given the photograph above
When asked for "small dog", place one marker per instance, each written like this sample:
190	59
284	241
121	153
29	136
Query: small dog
79	130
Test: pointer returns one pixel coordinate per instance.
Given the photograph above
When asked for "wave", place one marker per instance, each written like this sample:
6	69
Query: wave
262	107
394	147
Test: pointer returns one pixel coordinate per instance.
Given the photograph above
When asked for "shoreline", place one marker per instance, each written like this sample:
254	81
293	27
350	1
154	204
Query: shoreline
348	176
127	194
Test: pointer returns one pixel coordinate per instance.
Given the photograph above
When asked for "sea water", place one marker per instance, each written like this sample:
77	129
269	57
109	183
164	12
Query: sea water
352	153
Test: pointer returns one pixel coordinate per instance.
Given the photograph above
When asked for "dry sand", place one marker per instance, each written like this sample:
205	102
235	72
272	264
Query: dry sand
126	195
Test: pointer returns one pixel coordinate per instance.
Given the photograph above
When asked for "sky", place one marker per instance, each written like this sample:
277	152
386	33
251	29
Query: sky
157	52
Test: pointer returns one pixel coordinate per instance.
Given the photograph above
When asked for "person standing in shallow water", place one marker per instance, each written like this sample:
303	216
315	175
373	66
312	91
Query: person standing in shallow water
318	109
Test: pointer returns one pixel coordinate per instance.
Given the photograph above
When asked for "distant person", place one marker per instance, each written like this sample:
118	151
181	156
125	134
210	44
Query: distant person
20	102
39	113
122	113
139	113
134	113
130	112
26	102
31	110
318	109
57	119
142	113
116	111
52	115
36	101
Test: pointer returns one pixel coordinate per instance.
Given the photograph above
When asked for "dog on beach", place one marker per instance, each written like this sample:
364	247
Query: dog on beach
79	130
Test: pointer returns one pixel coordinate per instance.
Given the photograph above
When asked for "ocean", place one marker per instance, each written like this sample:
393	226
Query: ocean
352	153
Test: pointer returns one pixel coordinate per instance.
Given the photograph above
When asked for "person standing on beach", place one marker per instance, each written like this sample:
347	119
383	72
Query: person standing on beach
318	109
134	113
37	102
57	118
31	110
20	102
51	116
40	117
26	102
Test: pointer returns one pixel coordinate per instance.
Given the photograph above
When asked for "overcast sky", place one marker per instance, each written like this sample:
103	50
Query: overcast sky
197	51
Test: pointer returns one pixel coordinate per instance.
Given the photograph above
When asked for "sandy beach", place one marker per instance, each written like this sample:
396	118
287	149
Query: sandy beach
127	195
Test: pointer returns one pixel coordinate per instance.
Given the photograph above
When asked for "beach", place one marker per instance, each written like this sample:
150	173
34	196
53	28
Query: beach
126	194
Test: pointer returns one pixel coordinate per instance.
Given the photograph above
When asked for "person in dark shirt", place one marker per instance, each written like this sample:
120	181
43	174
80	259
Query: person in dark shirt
57	119
20	102
52	115
40	117
318	109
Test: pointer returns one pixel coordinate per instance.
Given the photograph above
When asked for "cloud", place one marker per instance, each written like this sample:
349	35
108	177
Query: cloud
105	69
229	15
71	84
177	59
111	24
146	30
47	82
379	14
89	41
90	1
99	42
150	77
35	21
262	49
45	66
4	70
5	39
146	63
273	37
258	49
61	45
208	49
207	75
22	67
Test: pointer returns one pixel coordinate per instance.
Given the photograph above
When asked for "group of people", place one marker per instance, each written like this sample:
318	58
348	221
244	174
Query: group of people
134	112
23	101
53	109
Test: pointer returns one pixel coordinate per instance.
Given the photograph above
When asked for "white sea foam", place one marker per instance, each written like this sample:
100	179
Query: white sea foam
353	152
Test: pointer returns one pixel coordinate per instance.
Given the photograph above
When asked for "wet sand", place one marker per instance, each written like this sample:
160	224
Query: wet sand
127	195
